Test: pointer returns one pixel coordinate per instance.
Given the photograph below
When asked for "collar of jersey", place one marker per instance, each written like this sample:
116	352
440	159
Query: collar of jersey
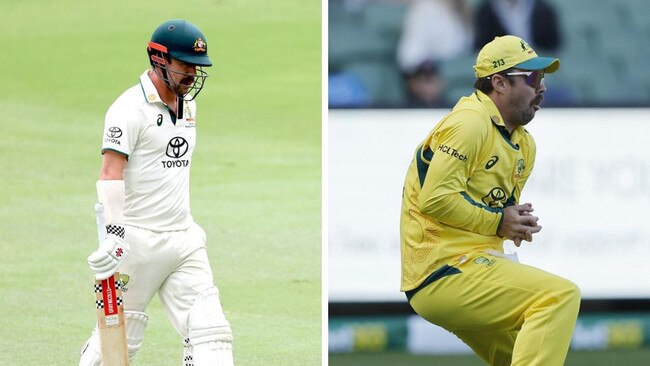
492	109
148	89
496	118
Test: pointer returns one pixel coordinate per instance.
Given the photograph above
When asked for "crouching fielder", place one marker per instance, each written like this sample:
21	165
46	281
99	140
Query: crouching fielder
149	137
461	200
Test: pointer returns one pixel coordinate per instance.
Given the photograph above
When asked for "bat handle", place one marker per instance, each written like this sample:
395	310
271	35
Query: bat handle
101	226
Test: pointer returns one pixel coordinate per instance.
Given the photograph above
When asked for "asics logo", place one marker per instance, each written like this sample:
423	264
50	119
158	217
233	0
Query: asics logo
491	162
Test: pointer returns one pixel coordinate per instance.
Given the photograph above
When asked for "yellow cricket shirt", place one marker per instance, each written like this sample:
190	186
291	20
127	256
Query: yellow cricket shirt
462	175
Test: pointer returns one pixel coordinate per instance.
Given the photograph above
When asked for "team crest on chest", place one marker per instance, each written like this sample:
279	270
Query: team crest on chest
189	119
519	168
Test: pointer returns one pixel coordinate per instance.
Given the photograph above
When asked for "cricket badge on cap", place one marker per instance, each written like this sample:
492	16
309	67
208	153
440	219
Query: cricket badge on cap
525	47
507	52
199	45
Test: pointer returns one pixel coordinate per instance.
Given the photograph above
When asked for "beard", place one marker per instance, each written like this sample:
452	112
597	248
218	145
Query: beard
524	111
534	106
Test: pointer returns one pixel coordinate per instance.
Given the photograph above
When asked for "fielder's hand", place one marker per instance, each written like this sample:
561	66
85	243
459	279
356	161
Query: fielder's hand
518	224
106	260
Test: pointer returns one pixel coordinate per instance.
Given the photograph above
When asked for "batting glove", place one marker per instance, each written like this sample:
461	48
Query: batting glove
106	260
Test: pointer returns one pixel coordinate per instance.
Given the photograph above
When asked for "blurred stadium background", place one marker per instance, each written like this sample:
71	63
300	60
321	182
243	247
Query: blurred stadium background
590	184
604	47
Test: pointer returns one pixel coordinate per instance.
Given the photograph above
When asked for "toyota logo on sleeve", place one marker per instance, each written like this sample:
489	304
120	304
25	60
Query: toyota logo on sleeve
114	133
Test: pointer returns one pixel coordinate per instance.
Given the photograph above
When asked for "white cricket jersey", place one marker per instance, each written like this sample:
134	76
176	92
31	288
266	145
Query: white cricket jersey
159	150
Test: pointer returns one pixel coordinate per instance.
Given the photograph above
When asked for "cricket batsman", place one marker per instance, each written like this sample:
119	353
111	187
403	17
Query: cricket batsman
148	140
461	202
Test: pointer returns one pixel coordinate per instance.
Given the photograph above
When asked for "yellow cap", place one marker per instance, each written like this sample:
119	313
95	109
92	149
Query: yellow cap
506	52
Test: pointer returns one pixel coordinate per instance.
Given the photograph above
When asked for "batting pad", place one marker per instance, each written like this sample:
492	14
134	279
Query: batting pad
207	323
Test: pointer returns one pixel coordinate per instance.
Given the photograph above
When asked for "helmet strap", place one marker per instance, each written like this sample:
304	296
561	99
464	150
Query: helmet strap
179	107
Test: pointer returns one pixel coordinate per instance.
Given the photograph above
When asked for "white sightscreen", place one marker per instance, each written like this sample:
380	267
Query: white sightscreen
590	188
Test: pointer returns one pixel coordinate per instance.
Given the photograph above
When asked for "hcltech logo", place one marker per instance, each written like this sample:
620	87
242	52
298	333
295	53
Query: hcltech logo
452	152
113	134
177	147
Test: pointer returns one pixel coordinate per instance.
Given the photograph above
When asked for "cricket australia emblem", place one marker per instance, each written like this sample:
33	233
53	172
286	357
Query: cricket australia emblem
200	45
124	279
483	260
519	168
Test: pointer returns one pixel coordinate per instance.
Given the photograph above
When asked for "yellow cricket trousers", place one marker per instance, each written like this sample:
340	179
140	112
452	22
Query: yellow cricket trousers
507	312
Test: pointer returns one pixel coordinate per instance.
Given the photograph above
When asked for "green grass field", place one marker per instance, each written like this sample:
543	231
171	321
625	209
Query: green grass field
256	175
596	358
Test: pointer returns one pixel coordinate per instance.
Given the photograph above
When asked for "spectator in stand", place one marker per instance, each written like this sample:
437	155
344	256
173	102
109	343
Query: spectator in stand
425	86
434	31
534	20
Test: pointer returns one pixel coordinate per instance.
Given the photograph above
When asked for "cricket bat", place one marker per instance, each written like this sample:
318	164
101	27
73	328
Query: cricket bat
110	310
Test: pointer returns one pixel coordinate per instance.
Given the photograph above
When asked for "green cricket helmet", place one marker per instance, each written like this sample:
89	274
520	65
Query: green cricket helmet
183	41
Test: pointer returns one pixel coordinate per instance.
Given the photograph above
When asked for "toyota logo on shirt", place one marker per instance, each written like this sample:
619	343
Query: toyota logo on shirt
177	147
114	133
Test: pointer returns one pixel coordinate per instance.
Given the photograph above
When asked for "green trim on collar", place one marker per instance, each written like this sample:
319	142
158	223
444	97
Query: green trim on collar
495	117
172	115
506	135
149	89
144	94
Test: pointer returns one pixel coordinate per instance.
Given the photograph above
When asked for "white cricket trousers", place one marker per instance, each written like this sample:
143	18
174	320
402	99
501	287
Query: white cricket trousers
174	264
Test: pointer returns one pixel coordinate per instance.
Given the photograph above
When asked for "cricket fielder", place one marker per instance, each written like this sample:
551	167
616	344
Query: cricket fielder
461	202
149	137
